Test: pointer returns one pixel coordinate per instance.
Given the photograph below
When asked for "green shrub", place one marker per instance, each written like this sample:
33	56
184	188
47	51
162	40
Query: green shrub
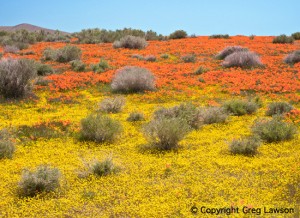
189	58
44	69
293	57
212	115
101	66
78	66
251	37
246	146
243	59
133	79
135	116
283	39
68	53
131	42
228	51
277	108
200	70
274	130
185	111
150	58
112	105
178	34
137	56
99	128
7	146
49	54
164	56
11	49
296	35
44	179
104	168
219	36
15	77
240	107
165	133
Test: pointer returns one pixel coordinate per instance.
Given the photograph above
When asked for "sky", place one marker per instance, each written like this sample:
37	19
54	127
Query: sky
200	17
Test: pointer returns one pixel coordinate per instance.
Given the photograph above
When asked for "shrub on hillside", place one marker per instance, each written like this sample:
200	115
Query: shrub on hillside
283	39
293	57
7	146
189	58
104	168
112	105
178	34
49	54
131	42
296	35
100	67
278	108
185	111
200	70
166	133
240	107
228	51
44	179
246	145
150	58
274	130
78	65
99	128
15	77
43	69
68	53
212	115
243	59
135	116
11	49
219	36
133	79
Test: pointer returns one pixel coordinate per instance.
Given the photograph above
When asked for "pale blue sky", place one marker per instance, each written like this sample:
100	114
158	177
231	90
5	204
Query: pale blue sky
200	17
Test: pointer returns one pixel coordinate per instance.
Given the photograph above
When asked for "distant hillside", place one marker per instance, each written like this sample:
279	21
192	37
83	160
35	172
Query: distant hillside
28	27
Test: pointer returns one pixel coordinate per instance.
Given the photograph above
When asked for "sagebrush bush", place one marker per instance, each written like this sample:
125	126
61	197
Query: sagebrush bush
283	39
16	76
274	130
200	70
185	111
251	37
100	67
137	56
246	145
135	116
212	115
112	105
131	42
133	79
189	58
78	65
150	58
293	57
11	49
178	34
49	54
44	179
63	55
7	146
296	35
43	69
219	36
240	107
104	168
164	56
68	53
228	51
278	108
99	128
243	59
165	133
